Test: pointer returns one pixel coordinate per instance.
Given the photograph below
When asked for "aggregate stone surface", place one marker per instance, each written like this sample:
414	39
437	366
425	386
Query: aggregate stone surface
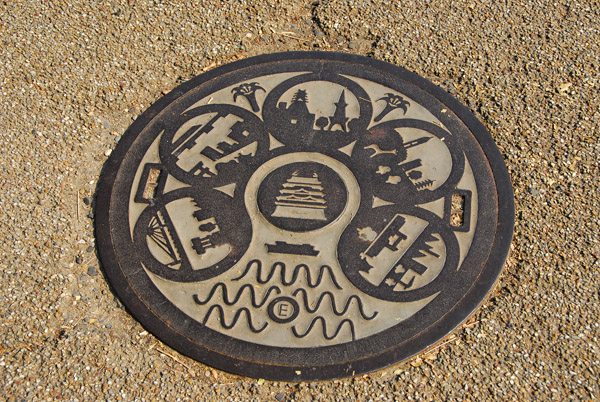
76	74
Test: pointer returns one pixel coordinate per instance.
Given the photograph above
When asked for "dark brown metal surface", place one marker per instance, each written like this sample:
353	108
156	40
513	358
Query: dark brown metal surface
304	216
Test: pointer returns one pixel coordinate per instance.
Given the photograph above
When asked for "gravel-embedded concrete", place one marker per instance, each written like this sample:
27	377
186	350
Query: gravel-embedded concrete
75	75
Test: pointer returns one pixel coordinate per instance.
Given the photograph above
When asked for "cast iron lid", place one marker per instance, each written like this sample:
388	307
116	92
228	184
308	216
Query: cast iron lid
302	216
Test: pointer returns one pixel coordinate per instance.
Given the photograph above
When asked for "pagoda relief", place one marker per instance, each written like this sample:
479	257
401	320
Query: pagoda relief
301	198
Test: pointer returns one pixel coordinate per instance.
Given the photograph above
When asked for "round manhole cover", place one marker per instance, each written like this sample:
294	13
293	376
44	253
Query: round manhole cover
304	216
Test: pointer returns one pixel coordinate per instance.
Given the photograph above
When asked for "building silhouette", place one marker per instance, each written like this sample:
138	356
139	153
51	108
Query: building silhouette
301	198
299	116
339	117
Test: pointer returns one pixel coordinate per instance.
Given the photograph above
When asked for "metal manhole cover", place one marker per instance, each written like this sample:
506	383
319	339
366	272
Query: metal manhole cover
304	216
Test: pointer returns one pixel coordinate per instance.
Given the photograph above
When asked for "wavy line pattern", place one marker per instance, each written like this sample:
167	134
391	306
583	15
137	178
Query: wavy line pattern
295	274
324	328
333	305
236	318
238	296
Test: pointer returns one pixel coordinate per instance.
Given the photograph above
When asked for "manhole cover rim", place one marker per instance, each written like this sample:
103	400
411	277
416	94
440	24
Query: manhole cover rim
219	358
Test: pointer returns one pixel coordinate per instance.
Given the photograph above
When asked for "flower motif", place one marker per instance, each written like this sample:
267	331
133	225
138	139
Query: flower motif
392	102
248	91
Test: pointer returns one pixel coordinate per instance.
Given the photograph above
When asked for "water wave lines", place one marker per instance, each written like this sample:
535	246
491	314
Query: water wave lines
238	296
324	328
236	318
333	305
295	274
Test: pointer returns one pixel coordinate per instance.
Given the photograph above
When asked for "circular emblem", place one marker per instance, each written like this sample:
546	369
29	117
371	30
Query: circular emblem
303	216
283	309
302	196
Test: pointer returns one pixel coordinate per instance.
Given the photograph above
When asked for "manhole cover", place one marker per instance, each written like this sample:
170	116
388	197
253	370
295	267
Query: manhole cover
304	216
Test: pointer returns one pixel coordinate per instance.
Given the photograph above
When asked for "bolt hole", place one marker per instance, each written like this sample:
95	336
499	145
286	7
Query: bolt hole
151	184
457	218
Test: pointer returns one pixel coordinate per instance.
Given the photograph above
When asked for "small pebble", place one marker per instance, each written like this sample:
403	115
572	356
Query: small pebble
92	270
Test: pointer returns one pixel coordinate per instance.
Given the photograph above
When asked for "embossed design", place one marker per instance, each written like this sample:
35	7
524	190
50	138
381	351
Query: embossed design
302	208
283	310
393	165
224	295
203	158
339	117
297	113
210	150
248	91
323	323
281	268
383	253
392	101
282	247
160	232
301	198
314	306
223	322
